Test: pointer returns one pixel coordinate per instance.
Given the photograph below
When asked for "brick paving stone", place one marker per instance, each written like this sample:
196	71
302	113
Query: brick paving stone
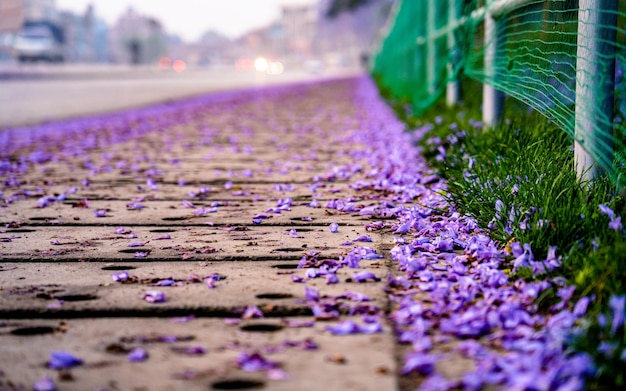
104	344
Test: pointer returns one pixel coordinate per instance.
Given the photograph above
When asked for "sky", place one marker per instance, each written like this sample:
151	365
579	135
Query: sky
191	18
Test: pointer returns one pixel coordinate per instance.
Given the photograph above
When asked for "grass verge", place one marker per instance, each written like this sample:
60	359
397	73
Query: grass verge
518	181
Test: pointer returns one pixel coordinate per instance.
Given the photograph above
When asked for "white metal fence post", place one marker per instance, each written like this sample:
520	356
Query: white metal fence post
595	86
453	88
431	46
493	99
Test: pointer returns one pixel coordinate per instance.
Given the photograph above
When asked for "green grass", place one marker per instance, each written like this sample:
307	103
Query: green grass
527	164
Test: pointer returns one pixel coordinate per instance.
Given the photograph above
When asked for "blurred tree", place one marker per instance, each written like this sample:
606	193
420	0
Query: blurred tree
337	7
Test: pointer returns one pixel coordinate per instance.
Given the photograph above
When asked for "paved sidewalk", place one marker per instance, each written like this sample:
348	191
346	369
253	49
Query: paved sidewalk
176	233
287	238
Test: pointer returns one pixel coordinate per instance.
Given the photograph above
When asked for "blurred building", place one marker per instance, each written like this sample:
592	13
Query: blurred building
215	49
299	24
39	10
137	39
290	38
348	38
86	37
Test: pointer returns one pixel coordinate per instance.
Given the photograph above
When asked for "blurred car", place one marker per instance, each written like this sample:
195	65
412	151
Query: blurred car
39	41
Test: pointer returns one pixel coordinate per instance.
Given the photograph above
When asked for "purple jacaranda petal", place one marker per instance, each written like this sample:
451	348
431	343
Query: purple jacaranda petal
616	224
154	297
314	204
100	213
209	282
137	355
165	282
324	311
331	278
371	328
163	237
252	362
445	245
333	227
137	244
436	382
141	254
295	278
45	384
62	360
365	276
607	348
421	363
607	211
120	277
402	229
362	238
472	381
354	296
55	305
293	233
617	304
135	206
311	294
252	312
343	328
581	306
188	204
312	273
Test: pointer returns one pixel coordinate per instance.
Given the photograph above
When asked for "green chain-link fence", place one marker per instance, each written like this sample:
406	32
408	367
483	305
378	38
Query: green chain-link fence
563	58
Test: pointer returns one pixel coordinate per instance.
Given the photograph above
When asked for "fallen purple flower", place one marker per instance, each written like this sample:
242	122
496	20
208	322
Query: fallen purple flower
607	211
617	305
45	384
163	237
295	278
364	276
120	277
311	294
331	278
62	360
343	328
154	297
137	244
255	362
333	227
141	254
252	312
165	282
616	224
421	363
348	327
100	213
363	238
137	355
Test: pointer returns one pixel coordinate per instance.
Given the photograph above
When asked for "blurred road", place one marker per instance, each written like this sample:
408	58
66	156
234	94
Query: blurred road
35	94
